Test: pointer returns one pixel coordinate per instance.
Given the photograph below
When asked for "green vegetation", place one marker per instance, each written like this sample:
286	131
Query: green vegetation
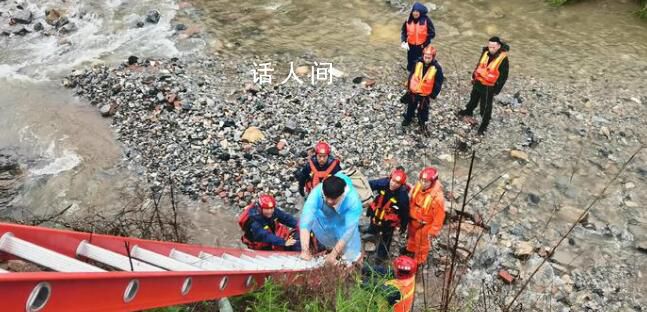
330	289
642	13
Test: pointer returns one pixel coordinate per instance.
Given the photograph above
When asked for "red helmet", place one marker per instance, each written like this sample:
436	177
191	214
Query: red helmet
429	51
399	176
266	201
322	148
404	267
429	173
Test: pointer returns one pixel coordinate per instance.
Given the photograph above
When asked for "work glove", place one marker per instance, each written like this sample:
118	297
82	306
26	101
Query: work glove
404	45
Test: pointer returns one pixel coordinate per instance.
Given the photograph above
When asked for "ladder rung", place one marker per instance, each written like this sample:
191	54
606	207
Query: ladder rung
251	265
237	264
113	259
43	256
201	263
291	263
161	260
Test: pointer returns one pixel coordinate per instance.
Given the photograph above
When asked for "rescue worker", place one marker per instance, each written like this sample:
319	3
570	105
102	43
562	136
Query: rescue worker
424	85
417	32
427	214
403	286
389	210
488	78
319	167
332	211
266	227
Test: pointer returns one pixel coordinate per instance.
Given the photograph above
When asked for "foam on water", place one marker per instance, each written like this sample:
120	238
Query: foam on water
59	162
106	31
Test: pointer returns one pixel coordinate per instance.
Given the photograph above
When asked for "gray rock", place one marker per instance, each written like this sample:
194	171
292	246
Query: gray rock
153	16
38	26
22	16
67	28
533	198
106	110
8	160
62	21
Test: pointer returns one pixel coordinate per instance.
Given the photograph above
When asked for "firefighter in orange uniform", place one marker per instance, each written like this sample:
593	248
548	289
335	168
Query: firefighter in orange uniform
427	214
319	167
401	297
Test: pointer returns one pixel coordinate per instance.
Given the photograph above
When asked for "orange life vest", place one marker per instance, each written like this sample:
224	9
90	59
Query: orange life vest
416	32
406	288
277	229
318	176
422	85
486	73
384	211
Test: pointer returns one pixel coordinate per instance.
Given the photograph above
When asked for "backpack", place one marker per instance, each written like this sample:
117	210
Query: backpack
360	183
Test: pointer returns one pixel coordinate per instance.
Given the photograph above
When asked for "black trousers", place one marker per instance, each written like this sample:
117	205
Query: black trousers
385	236
420	103
484	96
413	55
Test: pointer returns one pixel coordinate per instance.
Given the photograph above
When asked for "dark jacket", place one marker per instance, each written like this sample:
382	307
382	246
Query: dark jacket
257	232
431	31
303	176
438	82
503	69
401	196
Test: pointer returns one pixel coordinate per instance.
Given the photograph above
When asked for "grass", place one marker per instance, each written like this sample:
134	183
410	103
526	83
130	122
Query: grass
328	289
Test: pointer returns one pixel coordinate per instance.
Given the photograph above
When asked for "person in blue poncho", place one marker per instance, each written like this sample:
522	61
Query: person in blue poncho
332	211
417	32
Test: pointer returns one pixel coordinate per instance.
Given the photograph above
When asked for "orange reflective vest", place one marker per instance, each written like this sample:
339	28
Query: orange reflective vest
406	288
416	33
486	73
428	206
422	85
384	211
318	176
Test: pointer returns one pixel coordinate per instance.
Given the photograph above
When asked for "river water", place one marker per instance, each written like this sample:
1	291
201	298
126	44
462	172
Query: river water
70	151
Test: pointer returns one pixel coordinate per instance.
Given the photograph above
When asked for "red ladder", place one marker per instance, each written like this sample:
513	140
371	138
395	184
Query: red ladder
83	274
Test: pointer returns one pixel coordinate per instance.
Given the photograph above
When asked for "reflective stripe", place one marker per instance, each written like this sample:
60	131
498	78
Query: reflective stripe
406	288
488	74
422	85
383	212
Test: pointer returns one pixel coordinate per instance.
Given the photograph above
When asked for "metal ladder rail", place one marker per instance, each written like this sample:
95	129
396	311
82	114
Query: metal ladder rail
43	256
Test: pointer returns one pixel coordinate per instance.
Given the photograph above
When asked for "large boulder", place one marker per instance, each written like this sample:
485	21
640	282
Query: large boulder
22	16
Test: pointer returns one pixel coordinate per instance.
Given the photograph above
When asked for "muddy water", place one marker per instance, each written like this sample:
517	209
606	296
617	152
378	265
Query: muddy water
575	41
67	150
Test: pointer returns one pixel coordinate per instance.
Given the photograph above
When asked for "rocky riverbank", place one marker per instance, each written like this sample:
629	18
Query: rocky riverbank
549	151
19	18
